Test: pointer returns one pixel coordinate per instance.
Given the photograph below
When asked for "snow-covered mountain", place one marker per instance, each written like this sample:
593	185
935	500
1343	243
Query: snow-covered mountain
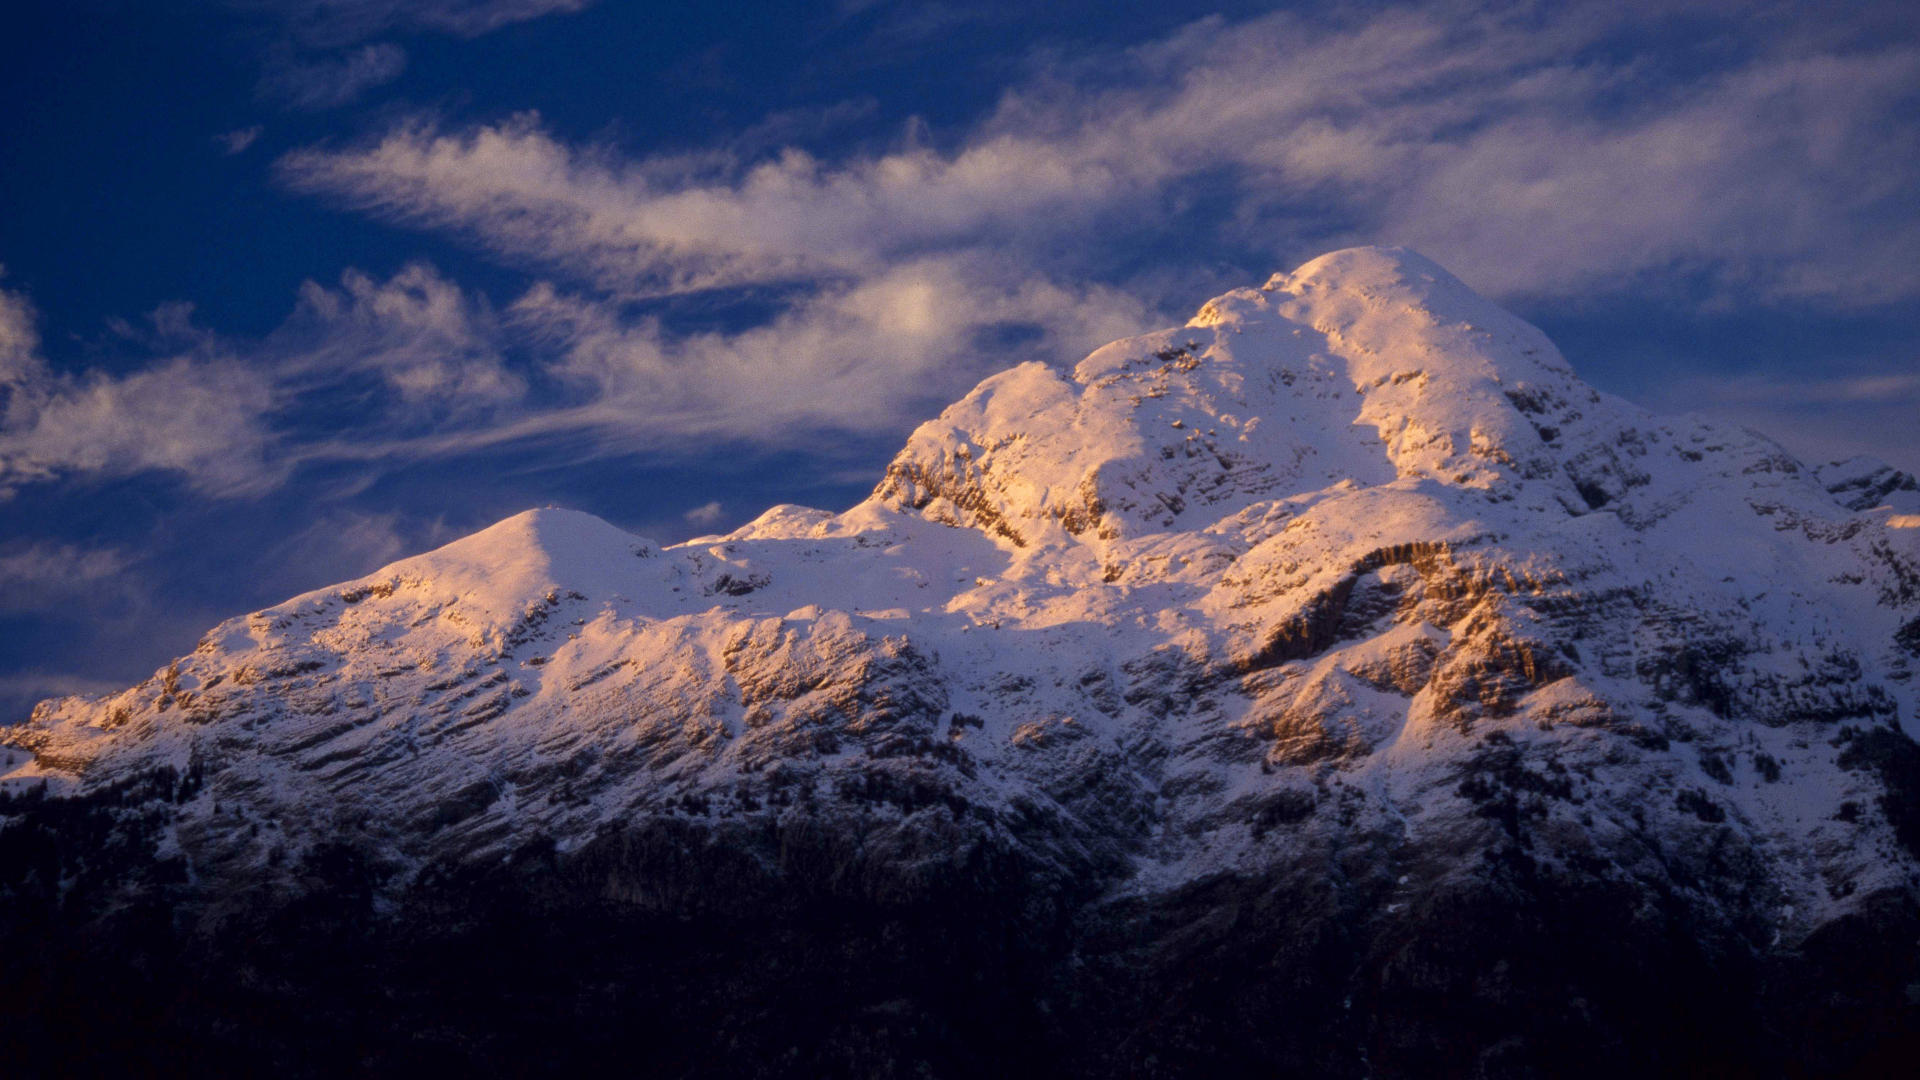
1338	653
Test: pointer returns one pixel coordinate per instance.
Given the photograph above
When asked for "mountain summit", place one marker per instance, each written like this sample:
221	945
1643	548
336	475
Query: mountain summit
1334	684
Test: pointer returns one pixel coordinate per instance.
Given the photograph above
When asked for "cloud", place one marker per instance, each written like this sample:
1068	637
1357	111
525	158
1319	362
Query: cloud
191	415
851	356
35	575
1539	152
198	418
705	514
238	140
21	690
640	230
366	363
19	342
330	81
1530	150
1783	179
1819	415
648	228
320	57
331	23
1879	389
431	350
1544	154
342	544
376	373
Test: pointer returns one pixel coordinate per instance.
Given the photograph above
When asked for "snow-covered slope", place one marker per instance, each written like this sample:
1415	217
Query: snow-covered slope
1353	554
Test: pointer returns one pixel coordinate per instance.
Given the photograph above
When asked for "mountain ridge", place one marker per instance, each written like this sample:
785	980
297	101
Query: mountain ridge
1346	591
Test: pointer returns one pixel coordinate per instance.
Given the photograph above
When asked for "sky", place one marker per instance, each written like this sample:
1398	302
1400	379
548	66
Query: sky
294	288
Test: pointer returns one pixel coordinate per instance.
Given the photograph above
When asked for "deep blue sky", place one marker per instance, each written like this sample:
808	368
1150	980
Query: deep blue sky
296	287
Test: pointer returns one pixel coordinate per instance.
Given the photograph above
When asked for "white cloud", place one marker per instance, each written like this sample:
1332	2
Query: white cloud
1535	151
629	228
705	514
322	58
340	545
1843	390
35	575
330	81
19	343
367	363
1469	134
1781	178
902	276
1866	405
337	22
238	140
433	346
20	690
197	415
875	352
199	418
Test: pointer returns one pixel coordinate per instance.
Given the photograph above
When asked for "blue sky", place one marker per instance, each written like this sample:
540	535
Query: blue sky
296	287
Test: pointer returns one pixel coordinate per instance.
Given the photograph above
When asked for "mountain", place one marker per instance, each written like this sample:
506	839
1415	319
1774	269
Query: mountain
1333	685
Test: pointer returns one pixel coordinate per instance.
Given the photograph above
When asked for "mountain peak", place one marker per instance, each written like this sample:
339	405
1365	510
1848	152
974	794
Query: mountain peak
1366	365
1392	304
491	574
1366	267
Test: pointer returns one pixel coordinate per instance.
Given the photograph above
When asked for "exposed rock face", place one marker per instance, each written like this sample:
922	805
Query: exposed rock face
1334	685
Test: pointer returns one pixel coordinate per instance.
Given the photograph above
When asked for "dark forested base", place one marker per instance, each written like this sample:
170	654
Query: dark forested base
668	951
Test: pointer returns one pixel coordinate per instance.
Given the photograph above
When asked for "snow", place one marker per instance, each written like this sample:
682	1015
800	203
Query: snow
21	774
1087	563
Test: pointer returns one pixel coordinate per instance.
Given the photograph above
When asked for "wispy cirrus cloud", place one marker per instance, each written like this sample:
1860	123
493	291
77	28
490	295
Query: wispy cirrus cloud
873	351
380	373
35	574
232	418
20	690
706	513
417	345
800	281
331	80
239	139
322	56
331	23
196	415
19	340
412	367
1533	150
1732	154
1839	390
1523	149
1821	418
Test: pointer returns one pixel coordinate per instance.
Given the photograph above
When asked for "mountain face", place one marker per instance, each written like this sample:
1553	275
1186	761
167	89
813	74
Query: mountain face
1333	685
